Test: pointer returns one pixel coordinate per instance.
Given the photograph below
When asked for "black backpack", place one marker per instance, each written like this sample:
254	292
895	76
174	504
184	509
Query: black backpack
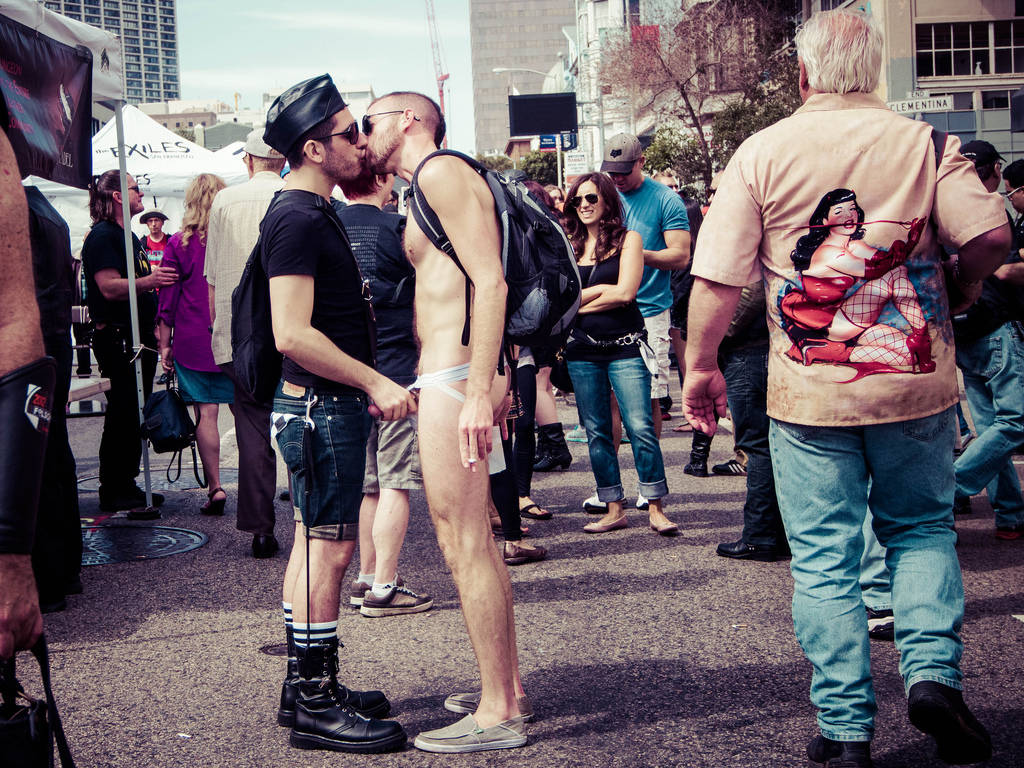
538	262
254	355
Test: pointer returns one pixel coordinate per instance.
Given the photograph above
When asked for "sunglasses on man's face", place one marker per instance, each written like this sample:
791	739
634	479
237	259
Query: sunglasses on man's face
368	126
590	197
351	134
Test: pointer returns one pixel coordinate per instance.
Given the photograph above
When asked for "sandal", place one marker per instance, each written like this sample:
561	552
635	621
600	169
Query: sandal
540	514
684	427
214	507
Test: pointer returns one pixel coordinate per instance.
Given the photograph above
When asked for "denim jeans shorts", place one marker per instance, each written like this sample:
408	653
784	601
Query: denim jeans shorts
326	463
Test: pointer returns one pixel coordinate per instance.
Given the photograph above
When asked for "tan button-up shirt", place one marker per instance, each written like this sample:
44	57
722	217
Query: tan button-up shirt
234	229
839	207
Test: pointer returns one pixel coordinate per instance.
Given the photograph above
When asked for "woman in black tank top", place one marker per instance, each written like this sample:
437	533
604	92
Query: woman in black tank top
604	352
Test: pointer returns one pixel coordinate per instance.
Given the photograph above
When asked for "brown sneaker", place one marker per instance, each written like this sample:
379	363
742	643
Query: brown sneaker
398	601
355	595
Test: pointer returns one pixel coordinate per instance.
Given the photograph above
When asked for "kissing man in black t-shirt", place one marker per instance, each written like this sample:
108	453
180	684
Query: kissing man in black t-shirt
321	417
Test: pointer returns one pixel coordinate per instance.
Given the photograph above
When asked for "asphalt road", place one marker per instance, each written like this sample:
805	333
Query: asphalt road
636	650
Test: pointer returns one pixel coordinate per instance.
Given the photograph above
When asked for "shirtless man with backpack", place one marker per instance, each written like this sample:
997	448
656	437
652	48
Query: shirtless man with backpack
462	396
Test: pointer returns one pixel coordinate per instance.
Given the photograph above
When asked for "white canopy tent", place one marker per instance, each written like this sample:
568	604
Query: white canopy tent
161	161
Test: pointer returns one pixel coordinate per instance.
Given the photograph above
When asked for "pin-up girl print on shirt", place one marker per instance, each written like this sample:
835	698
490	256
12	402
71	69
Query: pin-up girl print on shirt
834	313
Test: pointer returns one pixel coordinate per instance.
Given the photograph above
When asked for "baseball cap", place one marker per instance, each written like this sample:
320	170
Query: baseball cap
153	214
257	147
980	152
298	109
621	151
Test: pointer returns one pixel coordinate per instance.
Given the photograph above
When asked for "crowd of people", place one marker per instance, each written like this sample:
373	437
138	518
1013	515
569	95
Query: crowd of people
810	301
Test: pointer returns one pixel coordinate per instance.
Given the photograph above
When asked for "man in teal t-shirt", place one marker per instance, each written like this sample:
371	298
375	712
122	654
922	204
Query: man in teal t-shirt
658	214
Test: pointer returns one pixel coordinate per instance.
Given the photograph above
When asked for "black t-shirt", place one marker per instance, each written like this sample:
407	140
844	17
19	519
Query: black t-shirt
376	239
300	238
104	249
607	325
52	264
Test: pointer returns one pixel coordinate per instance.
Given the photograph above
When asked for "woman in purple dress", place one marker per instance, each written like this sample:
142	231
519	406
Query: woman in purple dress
183	327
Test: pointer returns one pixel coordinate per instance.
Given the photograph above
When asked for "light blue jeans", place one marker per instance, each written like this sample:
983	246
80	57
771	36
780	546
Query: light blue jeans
593	383
993	369
826	478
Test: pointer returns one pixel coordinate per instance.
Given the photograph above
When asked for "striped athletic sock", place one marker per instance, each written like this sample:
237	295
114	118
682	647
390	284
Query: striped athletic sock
319	632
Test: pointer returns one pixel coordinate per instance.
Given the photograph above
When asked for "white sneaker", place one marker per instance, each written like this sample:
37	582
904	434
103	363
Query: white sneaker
595	505
641	502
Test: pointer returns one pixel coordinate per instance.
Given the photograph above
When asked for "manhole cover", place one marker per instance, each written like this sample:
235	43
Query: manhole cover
114	543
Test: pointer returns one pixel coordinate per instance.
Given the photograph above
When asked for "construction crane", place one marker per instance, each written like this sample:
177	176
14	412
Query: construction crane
435	44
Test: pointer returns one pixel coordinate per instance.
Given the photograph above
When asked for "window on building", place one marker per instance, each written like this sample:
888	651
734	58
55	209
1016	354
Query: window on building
969	48
192	125
830	5
995	99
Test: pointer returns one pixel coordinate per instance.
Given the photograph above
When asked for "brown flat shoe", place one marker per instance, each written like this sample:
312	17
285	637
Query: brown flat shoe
622	522
515	553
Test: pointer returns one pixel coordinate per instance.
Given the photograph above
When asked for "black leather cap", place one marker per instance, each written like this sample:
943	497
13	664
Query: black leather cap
300	108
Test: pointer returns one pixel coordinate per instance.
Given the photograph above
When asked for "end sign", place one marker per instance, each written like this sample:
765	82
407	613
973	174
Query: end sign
922	104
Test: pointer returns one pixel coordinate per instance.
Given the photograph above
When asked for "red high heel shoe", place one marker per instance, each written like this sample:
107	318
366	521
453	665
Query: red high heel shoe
919	344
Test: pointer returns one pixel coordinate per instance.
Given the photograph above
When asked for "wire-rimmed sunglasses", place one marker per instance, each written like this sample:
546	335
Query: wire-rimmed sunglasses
1011	193
590	197
351	134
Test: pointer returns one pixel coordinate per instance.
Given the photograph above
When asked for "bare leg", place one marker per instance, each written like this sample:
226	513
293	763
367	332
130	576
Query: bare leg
458	499
328	561
614	512
546	412
389	525
208	442
656	412
367	518
296	563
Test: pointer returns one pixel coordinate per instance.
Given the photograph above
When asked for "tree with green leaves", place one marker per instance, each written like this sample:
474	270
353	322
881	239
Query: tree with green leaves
542	167
496	162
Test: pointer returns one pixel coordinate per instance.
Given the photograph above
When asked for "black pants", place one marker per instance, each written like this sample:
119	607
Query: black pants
503	494
257	462
746	383
57	553
526	438
121	443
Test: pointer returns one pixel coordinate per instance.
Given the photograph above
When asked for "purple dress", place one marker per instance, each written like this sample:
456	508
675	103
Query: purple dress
185	306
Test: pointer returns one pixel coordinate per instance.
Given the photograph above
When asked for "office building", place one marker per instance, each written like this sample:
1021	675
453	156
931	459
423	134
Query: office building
149	36
516	35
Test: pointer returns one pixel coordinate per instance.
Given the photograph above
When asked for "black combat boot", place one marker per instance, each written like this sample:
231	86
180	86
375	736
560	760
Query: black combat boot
552	452
699	450
325	717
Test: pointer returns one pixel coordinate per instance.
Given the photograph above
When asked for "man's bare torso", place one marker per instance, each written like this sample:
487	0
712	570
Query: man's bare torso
440	304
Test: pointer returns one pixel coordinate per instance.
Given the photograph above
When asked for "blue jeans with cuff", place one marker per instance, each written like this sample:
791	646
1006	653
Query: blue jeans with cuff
826	479
593	383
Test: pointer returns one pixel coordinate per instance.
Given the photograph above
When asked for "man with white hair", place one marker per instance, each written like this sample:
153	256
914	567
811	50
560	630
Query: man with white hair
234	228
831	206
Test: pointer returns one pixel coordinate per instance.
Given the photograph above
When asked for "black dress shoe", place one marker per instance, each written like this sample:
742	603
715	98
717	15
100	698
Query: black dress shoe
826	753
740	550
940	711
264	546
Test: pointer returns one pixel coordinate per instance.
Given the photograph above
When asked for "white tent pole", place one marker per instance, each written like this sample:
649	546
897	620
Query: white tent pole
133	300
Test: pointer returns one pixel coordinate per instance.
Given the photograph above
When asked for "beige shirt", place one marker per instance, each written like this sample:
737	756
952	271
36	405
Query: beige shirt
234	229
822	205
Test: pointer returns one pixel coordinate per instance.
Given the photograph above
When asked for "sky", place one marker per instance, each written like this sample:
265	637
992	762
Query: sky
254	46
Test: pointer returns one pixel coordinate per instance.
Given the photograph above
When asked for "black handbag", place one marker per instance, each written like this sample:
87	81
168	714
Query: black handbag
560	372
169	427
28	727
